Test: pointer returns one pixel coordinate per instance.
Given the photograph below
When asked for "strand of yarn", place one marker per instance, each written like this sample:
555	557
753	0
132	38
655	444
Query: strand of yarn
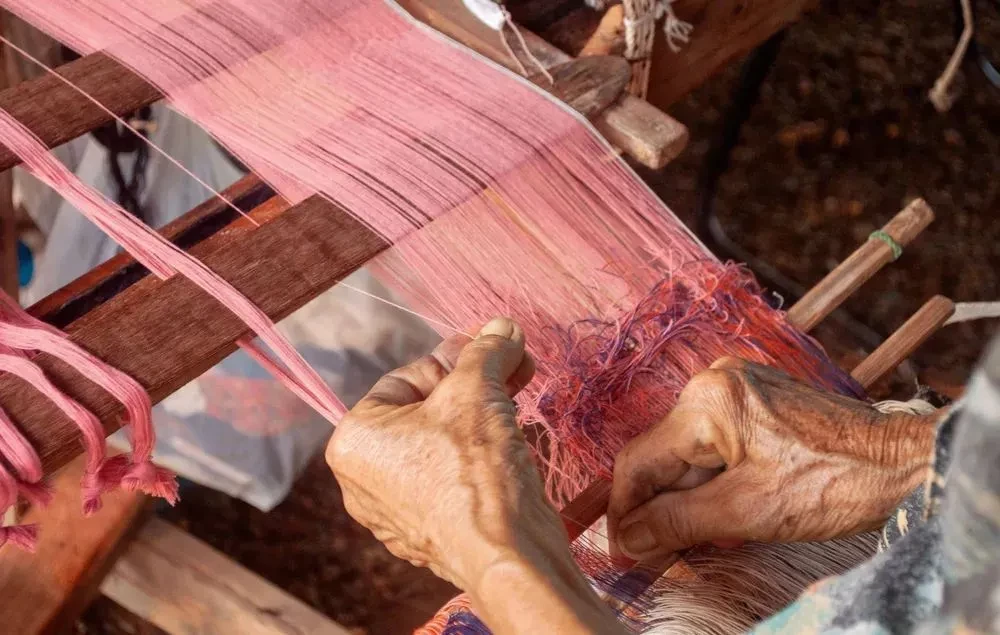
942	95
27	466
20	330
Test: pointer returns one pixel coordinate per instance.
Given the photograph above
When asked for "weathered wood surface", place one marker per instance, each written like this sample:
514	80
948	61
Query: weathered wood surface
46	591
164	333
57	113
181	585
588	85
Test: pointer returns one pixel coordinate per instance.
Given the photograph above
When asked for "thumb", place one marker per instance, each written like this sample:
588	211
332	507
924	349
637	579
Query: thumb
717	511
497	356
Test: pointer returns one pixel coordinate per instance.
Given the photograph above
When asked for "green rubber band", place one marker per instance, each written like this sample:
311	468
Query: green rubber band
897	249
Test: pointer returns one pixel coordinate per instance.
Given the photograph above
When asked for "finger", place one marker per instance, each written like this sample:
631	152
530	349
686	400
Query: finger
642	470
522	376
415	381
719	511
496	354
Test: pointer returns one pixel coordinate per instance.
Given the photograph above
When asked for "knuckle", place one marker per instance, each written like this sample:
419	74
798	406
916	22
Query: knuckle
341	445
670	526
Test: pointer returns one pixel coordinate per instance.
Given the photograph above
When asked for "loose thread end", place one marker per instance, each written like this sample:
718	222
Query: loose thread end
149	479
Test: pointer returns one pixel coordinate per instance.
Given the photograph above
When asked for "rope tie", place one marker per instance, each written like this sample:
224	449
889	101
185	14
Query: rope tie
897	249
641	16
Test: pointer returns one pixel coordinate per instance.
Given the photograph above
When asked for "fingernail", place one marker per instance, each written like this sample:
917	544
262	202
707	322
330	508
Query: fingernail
504	327
637	540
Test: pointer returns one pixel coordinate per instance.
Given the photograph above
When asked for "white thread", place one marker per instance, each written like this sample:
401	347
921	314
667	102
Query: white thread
969	311
638	34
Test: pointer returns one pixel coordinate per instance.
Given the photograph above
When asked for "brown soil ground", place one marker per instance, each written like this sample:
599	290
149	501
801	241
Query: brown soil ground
841	139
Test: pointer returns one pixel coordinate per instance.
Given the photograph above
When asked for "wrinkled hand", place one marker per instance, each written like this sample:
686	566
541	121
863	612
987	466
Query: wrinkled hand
750	454
431	460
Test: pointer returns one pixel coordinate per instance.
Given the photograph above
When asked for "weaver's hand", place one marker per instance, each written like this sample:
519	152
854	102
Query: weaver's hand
750	454
431	461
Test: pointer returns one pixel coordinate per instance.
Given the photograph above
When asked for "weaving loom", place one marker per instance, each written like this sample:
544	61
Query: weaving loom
178	341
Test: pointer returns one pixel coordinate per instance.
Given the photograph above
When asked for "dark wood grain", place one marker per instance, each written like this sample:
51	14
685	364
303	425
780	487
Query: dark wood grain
118	273
165	333
57	113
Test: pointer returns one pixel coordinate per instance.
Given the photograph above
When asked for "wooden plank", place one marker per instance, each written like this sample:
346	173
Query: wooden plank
588	85
831	291
46	591
181	585
57	113
723	31
901	344
119	272
645	133
167	332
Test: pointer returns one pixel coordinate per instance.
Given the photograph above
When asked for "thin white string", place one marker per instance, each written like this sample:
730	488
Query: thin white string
125	124
403	308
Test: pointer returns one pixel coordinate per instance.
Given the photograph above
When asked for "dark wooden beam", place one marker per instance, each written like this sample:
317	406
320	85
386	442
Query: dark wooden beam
116	274
165	333
57	113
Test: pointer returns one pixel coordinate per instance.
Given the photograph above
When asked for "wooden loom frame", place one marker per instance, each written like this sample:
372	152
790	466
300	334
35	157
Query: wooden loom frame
169	332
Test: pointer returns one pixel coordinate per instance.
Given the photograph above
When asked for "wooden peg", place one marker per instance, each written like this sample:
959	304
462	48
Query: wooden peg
901	344
860	266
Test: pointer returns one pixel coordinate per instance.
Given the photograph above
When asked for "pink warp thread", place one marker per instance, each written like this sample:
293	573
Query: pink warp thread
164	259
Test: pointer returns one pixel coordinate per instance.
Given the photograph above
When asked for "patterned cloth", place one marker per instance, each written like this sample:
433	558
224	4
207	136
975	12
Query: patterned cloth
939	566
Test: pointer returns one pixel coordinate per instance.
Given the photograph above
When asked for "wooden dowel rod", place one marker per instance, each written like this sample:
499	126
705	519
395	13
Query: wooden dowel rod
830	292
901	344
